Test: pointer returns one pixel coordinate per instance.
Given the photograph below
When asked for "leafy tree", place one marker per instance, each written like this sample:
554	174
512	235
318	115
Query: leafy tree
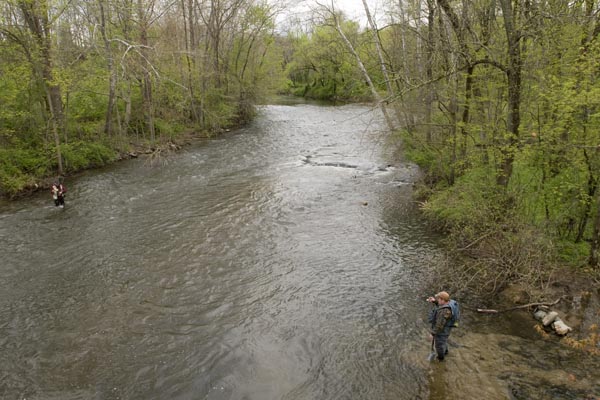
107	74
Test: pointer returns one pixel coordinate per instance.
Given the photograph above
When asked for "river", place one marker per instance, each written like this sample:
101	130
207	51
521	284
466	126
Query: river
283	260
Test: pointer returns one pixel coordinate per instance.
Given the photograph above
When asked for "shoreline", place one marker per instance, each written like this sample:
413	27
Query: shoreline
136	150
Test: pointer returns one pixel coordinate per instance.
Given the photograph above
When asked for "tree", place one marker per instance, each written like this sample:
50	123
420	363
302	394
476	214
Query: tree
36	43
334	17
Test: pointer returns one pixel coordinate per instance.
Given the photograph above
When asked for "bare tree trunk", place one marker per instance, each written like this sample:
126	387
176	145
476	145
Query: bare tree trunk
188	29
127	116
112	85
365	73
54	125
592	186
429	67
513	74
379	48
459	30
147	102
403	24
594	260
36	16
466	112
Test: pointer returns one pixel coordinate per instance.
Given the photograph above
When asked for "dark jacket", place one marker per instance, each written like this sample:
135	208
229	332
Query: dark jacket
439	318
59	189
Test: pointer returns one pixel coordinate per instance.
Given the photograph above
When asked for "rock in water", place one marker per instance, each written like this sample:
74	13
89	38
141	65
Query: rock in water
539	314
549	318
560	327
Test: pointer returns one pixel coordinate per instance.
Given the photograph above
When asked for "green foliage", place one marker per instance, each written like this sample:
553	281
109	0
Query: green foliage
13	182
534	177
219	113
168	129
81	155
20	118
433	160
473	202
572	254
19	169
22	168
562	193
322	67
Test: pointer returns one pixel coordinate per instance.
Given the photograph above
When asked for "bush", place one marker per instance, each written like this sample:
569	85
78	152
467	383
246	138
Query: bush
81	155
12	182
573	254
19	168
473	201
168	128
491	243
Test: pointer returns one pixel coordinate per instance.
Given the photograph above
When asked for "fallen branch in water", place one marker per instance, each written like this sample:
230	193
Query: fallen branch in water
490	311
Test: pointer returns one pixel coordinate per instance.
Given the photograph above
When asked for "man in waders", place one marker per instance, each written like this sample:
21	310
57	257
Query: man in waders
441	320
58	194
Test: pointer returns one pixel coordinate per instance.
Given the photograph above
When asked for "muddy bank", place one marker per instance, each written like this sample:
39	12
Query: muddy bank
576	299
510	355
495	365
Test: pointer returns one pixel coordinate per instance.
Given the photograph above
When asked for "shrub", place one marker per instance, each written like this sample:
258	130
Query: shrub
19	167
492	244
80	155
473	201
168	128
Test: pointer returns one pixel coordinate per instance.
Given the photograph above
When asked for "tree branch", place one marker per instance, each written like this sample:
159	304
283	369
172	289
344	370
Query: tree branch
490	311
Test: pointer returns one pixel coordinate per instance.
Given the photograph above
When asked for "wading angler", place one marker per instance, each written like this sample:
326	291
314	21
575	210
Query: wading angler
442	318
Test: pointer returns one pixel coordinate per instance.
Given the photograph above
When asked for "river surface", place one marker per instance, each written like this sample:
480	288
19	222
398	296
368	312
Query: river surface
284	260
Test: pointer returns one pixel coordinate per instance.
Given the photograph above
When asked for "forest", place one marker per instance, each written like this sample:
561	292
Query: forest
496	100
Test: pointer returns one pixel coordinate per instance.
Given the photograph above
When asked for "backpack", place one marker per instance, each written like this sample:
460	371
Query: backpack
454	307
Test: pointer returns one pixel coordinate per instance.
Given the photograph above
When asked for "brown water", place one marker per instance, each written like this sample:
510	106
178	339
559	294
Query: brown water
284	260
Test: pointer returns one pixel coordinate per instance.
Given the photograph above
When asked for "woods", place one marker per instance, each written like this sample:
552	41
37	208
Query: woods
497	100
82	81
512	148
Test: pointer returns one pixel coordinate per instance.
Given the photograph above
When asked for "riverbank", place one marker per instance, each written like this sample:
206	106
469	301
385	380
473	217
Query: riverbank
496	258
34	183
491	272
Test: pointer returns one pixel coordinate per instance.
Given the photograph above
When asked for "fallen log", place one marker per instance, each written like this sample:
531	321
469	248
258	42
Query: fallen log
491	311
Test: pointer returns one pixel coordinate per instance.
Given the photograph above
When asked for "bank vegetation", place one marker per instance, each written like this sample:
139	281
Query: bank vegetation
499	102
83	82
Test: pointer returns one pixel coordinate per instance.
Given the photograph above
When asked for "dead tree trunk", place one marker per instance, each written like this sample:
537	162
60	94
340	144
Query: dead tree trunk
365	74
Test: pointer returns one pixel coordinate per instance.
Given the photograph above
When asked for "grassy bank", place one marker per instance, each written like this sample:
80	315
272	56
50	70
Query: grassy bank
26	170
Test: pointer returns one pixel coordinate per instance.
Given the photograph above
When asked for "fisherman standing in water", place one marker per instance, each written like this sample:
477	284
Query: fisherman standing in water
442	318
58	193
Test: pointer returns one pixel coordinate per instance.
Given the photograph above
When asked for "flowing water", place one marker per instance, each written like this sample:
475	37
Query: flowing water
284	260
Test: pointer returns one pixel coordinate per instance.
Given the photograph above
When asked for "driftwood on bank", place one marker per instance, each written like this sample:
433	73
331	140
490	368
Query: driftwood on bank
547	317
